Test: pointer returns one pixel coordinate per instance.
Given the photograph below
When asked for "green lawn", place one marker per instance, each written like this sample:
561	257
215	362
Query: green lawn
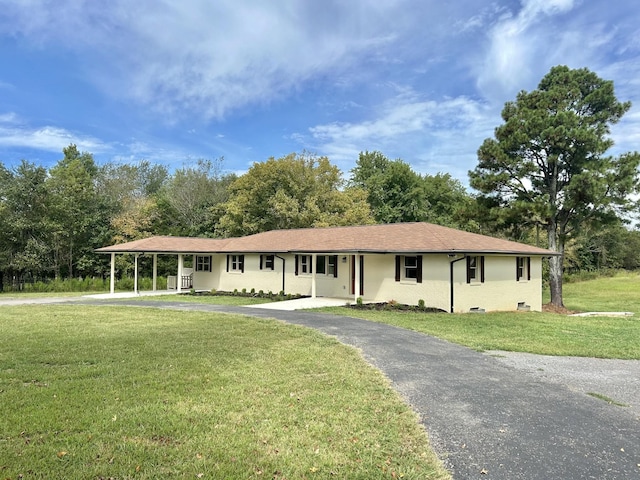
541	333
208	299
22	295
606	294
135	393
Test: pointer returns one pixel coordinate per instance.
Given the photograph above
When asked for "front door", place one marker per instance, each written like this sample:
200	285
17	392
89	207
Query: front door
353	275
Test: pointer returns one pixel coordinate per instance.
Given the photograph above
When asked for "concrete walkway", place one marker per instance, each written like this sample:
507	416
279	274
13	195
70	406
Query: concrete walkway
40	300
485	419
303	303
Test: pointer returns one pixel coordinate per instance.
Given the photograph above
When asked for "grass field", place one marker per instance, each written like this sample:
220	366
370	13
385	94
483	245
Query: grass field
207	299
134	393
541	333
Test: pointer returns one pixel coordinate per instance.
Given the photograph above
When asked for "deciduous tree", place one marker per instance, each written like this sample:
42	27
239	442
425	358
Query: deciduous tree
296	191
190	196
395	192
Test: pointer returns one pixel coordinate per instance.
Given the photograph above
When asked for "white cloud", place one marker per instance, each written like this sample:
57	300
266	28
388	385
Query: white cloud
522	47
14	133
202	56
433	136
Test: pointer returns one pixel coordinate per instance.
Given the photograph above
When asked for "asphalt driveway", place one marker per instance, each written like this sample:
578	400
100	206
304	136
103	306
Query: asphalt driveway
485	418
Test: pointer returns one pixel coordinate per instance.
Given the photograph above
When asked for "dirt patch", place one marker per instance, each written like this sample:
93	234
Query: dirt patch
550	308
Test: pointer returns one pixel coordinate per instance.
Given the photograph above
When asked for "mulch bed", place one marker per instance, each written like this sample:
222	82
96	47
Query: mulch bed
395	307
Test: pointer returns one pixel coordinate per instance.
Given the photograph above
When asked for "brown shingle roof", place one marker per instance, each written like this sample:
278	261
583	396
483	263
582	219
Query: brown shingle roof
168	245
390	238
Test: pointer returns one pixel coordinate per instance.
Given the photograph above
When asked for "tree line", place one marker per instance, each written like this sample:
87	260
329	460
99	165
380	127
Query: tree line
545	179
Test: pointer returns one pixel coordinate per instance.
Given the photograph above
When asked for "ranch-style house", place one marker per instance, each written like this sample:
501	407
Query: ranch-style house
449	269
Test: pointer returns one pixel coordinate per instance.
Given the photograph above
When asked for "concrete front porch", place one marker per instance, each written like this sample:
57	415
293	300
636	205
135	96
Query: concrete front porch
146	293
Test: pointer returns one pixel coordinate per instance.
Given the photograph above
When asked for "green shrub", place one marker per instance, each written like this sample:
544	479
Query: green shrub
421	304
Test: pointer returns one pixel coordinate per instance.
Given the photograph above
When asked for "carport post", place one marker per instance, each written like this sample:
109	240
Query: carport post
112	282
155	272
356	286
135	272
313	274
179	282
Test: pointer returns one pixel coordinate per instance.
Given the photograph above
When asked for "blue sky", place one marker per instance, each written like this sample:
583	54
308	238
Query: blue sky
174	81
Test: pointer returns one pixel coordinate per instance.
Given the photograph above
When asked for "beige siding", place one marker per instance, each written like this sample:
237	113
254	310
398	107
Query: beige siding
380	284
500	290
209	280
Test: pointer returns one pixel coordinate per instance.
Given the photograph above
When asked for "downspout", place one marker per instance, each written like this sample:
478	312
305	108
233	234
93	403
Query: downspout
451	276
283	270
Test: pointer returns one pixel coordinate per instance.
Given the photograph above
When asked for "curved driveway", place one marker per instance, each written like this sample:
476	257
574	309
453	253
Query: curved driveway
485	419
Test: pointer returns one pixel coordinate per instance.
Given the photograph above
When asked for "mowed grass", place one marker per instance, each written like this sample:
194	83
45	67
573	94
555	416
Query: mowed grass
620	293
540	333
134	393
206	299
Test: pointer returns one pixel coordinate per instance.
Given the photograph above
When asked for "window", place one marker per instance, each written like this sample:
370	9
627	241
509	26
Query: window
409	268
327	265
267	262
235	263
523	268
475	269
332	265
203	264
303	265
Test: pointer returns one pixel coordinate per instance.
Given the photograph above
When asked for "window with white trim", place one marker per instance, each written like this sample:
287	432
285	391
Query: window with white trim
410	267
332	265
305	264
235	263
267	262
475	269
203	263
327	265
523	268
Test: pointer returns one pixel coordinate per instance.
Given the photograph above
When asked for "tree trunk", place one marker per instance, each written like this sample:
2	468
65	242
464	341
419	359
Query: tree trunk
71	259
555	267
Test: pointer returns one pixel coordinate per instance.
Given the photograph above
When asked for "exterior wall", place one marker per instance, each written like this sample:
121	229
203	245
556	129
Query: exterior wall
500	290
209	280
380	284
271	280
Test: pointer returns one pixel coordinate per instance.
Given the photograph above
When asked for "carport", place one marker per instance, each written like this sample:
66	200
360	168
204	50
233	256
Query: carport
162	245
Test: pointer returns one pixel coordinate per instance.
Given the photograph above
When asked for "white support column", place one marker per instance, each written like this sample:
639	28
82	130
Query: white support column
313	266
180	267
112	283
356	287
155	272
135	273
